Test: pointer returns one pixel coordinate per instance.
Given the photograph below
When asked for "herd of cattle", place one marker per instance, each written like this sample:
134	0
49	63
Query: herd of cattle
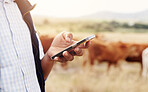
102	50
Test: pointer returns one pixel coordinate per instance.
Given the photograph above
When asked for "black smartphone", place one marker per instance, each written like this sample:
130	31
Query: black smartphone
73	46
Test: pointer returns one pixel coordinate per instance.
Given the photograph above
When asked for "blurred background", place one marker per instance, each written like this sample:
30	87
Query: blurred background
113	62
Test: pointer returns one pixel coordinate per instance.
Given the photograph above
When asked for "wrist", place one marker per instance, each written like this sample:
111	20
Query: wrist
48	55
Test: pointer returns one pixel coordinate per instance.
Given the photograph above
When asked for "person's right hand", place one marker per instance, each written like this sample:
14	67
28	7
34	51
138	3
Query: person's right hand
62	41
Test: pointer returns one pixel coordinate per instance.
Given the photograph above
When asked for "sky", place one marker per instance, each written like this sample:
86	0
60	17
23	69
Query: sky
77	8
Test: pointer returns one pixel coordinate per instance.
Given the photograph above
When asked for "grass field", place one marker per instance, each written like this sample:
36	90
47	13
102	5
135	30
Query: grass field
79	79
85	79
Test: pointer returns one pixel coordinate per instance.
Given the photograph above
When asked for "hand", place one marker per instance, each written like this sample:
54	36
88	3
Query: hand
62	41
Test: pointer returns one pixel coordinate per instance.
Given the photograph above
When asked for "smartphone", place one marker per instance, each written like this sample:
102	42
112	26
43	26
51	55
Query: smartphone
73	46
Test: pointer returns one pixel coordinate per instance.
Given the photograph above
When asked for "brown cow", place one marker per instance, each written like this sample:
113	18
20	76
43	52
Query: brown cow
112	52
136	54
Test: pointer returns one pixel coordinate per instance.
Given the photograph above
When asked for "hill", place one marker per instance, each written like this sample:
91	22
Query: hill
107	15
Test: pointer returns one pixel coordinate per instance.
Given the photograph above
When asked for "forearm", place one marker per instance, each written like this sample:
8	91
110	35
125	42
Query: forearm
47	65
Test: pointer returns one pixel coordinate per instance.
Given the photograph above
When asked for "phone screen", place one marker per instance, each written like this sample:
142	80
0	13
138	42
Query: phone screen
73	46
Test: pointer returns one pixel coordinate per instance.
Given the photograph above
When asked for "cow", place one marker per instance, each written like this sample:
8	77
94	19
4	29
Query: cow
145	63
111	52
46	42
136	54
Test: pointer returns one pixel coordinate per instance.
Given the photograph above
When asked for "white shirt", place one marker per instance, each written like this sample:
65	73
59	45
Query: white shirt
17	65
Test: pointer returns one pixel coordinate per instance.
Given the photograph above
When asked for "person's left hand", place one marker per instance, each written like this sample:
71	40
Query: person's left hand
62	41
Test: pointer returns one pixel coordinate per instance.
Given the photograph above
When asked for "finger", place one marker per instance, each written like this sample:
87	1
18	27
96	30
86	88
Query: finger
68	56
58	59
85	45
78	51
67	36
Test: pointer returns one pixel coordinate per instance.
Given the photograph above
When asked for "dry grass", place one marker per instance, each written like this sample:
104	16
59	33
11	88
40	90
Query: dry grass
127	37
78	79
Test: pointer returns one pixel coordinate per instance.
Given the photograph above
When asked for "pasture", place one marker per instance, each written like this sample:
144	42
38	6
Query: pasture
76	78
96	79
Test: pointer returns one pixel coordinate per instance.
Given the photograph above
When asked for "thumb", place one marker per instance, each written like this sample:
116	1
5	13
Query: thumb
67	36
